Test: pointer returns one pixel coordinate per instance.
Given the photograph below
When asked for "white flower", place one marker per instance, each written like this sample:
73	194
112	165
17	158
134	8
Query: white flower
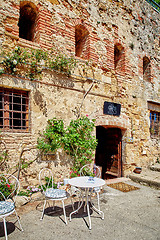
14	61
14	69
42	62
16	48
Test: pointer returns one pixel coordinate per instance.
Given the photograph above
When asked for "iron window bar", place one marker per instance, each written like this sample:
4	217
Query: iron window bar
14	109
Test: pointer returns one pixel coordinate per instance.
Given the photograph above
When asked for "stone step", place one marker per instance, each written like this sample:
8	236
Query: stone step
149	176
155	167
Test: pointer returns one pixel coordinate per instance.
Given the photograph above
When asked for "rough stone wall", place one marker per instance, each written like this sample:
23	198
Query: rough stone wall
131	25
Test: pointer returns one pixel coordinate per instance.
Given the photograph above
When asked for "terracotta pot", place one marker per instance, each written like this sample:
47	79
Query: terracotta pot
137	170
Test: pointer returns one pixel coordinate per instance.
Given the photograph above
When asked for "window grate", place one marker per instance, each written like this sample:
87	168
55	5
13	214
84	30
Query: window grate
14	110
155	123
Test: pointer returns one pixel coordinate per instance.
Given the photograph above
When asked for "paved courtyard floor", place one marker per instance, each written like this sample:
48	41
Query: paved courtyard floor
133	215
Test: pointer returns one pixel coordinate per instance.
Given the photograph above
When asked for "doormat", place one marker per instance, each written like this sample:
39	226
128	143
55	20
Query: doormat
121	186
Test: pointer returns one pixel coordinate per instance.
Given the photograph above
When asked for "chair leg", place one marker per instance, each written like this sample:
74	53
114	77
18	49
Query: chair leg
19	221
43	210
5	228
72	203
64	211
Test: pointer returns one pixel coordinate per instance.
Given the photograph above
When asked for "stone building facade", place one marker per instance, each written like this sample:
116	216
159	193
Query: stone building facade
120	88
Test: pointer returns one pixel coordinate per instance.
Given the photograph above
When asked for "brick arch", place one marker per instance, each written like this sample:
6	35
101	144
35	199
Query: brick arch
33	3
121	122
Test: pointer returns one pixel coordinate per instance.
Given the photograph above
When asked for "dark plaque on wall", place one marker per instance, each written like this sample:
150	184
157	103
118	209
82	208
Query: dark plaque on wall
111	108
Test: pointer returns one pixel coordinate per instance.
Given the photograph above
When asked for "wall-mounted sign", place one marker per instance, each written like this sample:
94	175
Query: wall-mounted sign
111	108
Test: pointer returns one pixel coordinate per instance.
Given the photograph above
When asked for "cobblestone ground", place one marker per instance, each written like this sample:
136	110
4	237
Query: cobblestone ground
128	216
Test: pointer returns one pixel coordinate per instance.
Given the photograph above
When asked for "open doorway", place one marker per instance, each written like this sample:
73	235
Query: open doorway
108	151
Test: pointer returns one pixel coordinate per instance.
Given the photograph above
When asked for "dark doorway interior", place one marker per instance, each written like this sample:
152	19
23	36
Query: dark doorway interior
108	151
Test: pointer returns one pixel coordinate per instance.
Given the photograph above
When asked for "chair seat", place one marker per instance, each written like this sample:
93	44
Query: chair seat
55	193
6	207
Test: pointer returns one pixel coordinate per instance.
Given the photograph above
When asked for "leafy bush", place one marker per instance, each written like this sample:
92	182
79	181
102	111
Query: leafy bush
76	140
35	61
24	193
51	139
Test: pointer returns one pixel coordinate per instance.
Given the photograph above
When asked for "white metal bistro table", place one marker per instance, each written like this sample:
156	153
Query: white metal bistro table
87	184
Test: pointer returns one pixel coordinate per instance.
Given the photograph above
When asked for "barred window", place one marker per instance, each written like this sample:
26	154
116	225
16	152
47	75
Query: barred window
155	123
14	110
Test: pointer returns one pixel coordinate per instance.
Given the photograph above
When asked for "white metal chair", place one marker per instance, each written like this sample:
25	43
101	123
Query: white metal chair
90	170
48	190
94	171
74	193
9	188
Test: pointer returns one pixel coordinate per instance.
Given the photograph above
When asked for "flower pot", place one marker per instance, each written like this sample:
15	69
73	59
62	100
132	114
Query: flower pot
137	170
65	181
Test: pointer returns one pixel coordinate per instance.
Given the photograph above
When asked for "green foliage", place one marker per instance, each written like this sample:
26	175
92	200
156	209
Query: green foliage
35	61
155	4
24	193
29	191
48	183
3	152
36	57
157	1
158	158
76	140
14	59
62	63
79	142
74	173
51	139
5	188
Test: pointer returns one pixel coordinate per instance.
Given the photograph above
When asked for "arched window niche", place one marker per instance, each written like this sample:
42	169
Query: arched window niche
81	42
146	69
119	58
27	21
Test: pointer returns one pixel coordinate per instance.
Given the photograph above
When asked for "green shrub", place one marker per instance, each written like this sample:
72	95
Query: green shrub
6	188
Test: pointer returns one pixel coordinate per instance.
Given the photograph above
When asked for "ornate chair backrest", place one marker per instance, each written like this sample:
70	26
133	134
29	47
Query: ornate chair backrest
9	187
45	179
96	171
90	170
86	170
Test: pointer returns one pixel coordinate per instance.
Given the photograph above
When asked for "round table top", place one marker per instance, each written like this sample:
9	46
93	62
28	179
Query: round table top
86	182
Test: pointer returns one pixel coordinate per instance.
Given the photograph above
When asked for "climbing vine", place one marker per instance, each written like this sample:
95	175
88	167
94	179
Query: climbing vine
30	63
76	140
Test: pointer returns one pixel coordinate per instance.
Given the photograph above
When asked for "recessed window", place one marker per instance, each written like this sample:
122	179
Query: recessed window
14	110
81	42
155	123
27	21
146	69
119	58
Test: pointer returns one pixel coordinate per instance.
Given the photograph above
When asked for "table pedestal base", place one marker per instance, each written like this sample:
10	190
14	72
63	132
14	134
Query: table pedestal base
87	196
